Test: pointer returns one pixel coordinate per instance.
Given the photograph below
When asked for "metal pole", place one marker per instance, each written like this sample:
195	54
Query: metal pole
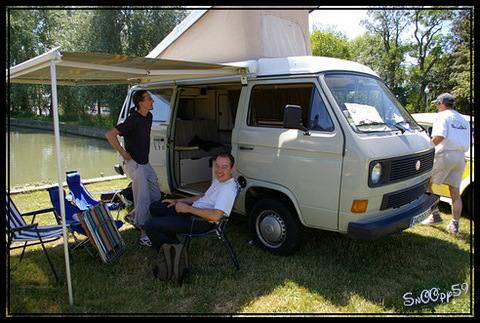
56	128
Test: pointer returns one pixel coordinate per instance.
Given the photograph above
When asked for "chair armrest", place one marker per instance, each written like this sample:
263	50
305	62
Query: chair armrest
199	219
24	227
39	211
52	209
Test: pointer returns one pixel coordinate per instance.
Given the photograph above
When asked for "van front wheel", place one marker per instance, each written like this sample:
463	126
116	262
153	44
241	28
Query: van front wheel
275	227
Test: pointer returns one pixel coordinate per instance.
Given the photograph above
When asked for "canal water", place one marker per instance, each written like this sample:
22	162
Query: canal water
32	159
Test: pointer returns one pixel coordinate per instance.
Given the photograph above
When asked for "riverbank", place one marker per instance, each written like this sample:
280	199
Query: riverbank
74	129
64	184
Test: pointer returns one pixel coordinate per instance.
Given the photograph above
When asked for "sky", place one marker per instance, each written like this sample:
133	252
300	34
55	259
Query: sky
346	20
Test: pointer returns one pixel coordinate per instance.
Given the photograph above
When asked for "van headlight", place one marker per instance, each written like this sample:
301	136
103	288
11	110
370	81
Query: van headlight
376	172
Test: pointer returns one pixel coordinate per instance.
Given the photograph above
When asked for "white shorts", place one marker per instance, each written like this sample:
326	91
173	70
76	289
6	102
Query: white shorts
448	167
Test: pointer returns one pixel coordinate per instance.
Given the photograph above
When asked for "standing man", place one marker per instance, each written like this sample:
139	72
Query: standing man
136	132
451	137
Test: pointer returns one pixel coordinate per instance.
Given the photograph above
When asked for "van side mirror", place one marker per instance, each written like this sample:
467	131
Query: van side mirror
292	118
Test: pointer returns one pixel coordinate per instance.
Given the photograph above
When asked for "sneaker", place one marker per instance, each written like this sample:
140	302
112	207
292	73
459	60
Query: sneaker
453	227
128	218
434	219
145	241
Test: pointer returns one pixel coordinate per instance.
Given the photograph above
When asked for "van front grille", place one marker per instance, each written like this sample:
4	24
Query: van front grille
402	197
411	166
402	168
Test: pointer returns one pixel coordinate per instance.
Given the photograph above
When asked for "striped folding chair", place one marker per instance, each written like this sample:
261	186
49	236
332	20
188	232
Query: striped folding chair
71	217
31	234
102	232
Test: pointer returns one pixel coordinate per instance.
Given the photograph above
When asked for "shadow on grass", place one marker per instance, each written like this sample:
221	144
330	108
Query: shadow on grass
329	274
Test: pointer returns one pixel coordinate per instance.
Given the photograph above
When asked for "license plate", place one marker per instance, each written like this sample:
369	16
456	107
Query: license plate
419	218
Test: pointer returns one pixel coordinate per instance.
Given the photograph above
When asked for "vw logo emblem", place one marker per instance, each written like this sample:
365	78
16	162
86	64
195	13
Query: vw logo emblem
418	164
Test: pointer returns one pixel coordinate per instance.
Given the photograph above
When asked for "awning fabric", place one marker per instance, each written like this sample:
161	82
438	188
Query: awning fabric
73	68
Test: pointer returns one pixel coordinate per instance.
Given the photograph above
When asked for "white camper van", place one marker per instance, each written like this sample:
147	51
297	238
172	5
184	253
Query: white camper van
318	142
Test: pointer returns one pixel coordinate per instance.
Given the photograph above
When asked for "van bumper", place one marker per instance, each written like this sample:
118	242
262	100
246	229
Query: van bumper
374	229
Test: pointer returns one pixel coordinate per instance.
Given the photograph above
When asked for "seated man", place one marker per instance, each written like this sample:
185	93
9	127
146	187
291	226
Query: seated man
172	216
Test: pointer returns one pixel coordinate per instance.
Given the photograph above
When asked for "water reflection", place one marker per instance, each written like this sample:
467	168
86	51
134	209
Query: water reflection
32	157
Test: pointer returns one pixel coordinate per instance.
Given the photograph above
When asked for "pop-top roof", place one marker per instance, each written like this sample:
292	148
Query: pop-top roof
228	34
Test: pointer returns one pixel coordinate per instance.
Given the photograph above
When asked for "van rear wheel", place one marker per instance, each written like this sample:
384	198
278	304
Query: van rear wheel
275	227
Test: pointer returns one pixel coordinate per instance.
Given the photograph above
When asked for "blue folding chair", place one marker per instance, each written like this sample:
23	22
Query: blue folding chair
72	214
31	234
83	199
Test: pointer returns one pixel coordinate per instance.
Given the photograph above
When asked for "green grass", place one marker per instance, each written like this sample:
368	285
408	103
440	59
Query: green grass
330	274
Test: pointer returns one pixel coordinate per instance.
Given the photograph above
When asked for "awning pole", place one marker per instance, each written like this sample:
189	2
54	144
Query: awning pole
56	128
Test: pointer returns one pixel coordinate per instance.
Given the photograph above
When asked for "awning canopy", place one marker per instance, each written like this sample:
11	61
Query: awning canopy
70	68
74	68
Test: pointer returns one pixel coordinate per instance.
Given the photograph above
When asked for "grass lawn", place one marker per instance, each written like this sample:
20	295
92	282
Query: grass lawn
330	275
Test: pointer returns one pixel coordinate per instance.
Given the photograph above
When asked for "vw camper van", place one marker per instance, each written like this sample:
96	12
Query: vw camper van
318	142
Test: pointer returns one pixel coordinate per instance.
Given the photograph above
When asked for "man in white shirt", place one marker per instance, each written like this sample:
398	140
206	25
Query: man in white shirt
451	137
172	216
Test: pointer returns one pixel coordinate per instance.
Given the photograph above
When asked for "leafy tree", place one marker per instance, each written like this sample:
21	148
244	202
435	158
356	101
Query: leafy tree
462	61
329	42
428	48
32	31
389	25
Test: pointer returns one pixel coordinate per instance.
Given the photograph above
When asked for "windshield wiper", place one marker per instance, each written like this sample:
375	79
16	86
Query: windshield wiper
398	126
373	123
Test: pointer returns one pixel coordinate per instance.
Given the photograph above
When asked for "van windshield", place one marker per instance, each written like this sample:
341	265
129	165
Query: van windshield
368	104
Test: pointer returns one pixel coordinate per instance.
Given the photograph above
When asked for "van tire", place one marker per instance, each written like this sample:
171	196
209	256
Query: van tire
275	227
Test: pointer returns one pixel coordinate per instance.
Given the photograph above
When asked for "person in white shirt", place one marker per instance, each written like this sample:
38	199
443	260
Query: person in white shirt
172	216
451	137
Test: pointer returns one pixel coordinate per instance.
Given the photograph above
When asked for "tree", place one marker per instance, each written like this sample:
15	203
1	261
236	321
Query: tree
462	61
389	25
329	42
428	48
130	31
28	36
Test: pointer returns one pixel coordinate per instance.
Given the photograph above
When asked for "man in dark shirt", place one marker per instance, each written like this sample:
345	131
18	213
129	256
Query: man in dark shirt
136	132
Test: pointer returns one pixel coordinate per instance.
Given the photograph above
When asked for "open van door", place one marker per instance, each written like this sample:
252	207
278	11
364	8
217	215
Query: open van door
162	107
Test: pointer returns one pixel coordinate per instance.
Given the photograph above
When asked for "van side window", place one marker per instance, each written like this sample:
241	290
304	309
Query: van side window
267	105
161	104
319	117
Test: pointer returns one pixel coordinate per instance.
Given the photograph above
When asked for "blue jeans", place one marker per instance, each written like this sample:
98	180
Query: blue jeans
167	222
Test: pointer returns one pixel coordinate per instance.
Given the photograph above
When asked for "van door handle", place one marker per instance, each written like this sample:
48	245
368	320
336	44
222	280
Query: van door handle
245	148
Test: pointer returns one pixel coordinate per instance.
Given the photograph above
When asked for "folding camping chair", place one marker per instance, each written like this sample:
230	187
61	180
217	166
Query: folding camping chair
83	199
31	234
73	221
102	232
218	231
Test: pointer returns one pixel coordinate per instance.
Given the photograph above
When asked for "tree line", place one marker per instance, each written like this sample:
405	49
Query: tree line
412	49
127	31
419	52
